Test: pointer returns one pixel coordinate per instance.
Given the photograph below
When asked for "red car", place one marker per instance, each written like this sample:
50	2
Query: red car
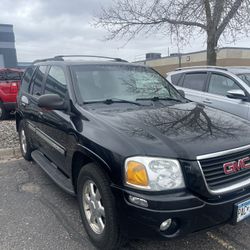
9	85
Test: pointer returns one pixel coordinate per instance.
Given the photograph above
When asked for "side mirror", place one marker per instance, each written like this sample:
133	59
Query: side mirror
51	101
236	94
181	92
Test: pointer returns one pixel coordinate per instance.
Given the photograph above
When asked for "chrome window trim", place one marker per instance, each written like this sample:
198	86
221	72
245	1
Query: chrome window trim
222	153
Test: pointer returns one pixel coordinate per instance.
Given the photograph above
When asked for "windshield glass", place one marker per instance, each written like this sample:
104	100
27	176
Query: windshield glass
101	82
245	77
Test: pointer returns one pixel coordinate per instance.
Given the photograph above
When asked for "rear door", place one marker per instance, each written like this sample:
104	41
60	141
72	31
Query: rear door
194	85
31	89
218	86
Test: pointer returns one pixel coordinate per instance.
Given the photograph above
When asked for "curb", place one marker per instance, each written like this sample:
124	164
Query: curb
10	153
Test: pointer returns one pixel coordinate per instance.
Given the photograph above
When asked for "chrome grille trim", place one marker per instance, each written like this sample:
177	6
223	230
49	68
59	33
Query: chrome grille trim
220	191
222	153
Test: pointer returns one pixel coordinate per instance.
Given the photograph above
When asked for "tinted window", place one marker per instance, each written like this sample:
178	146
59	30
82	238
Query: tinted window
38	80
195	81
220	84
56	82
175	79
27	78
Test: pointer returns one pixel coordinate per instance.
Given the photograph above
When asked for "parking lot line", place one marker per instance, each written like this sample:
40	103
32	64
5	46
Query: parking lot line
220	241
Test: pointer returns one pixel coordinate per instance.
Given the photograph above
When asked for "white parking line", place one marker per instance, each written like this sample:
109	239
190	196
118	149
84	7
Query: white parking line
220	241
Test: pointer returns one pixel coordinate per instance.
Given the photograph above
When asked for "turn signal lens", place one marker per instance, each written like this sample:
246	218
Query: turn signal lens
136	174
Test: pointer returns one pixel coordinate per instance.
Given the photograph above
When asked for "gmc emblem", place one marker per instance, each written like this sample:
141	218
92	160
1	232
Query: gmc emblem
235	166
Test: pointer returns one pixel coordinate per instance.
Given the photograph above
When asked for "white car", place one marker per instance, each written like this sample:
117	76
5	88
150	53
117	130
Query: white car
223	88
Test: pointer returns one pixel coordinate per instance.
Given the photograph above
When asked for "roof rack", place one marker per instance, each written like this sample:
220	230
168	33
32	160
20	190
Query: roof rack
61	58
202	67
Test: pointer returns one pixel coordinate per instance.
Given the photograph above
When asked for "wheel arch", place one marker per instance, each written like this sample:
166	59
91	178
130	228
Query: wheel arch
81	157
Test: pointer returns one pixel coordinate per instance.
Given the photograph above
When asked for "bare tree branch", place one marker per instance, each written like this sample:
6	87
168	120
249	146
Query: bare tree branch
179	19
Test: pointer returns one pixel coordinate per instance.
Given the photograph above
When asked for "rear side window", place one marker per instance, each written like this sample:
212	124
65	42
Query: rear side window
38	80
195	81
220	84
27	78
56	82
175	79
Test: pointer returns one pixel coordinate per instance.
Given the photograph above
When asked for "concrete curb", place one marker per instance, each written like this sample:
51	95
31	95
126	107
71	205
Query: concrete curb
10	153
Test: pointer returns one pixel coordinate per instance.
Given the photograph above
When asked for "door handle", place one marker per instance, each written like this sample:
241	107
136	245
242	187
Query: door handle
207	102
40	114
24	101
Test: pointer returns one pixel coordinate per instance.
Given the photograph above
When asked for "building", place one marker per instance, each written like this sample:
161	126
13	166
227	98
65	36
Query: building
8	56
227	56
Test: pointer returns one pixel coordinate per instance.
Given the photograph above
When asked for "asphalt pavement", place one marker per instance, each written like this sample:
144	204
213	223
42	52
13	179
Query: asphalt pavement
36	214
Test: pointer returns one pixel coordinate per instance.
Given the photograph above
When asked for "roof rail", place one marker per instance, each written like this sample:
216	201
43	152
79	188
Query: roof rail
61	58
202	67
91	56
46	59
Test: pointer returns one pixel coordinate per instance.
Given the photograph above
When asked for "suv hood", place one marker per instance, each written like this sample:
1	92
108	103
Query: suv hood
182	131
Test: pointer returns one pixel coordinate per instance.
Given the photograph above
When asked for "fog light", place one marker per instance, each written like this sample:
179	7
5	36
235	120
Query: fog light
138	201
165	224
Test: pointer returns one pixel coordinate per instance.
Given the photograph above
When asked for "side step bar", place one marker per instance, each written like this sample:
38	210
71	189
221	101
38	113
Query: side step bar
55	174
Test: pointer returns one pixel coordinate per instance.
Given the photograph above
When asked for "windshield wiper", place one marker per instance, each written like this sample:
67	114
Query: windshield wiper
157	98
114	100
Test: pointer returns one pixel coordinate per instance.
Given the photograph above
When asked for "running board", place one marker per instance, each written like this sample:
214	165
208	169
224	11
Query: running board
53	172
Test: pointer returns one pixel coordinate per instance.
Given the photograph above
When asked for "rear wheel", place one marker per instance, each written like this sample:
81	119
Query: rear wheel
3	112
25	145
97	208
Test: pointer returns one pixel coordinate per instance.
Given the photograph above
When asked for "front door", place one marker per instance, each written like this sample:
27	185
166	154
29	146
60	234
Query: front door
55	123
218	86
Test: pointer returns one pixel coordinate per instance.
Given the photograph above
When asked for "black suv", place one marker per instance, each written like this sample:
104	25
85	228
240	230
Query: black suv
143	161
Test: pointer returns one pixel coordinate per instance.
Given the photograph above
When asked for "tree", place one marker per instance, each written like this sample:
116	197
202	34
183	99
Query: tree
181	19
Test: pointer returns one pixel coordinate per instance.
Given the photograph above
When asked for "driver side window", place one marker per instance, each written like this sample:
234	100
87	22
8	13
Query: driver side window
220	84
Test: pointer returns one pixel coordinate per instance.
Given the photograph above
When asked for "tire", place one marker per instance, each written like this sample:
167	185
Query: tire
25	145
109	237
3	112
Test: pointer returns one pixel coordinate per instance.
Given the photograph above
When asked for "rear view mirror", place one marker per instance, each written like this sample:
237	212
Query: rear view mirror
51	101
236	94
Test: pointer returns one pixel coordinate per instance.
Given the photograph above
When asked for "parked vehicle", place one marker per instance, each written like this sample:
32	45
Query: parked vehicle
223	88
9	85
143	161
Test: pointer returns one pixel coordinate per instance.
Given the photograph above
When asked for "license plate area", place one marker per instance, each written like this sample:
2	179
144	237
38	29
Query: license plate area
242	211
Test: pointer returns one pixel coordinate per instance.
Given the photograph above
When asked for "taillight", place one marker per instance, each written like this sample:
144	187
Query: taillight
13	87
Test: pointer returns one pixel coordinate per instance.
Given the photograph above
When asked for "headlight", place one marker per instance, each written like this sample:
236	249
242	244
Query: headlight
155	174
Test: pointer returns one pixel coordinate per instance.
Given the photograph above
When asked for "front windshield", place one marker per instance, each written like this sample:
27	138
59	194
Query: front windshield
102	82
245	77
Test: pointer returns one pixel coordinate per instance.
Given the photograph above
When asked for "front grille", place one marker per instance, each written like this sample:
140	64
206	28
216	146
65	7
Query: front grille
214	172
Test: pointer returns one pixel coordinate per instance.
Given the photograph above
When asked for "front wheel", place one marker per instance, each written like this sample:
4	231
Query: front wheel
97	208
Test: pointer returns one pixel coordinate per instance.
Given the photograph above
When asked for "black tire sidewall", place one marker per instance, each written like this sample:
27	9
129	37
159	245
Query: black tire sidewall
111	234
4	112
27	155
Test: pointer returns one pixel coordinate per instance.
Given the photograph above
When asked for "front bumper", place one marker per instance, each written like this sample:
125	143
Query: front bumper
188	212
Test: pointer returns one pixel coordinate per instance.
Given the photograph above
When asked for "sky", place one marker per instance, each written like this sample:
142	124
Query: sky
44	28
